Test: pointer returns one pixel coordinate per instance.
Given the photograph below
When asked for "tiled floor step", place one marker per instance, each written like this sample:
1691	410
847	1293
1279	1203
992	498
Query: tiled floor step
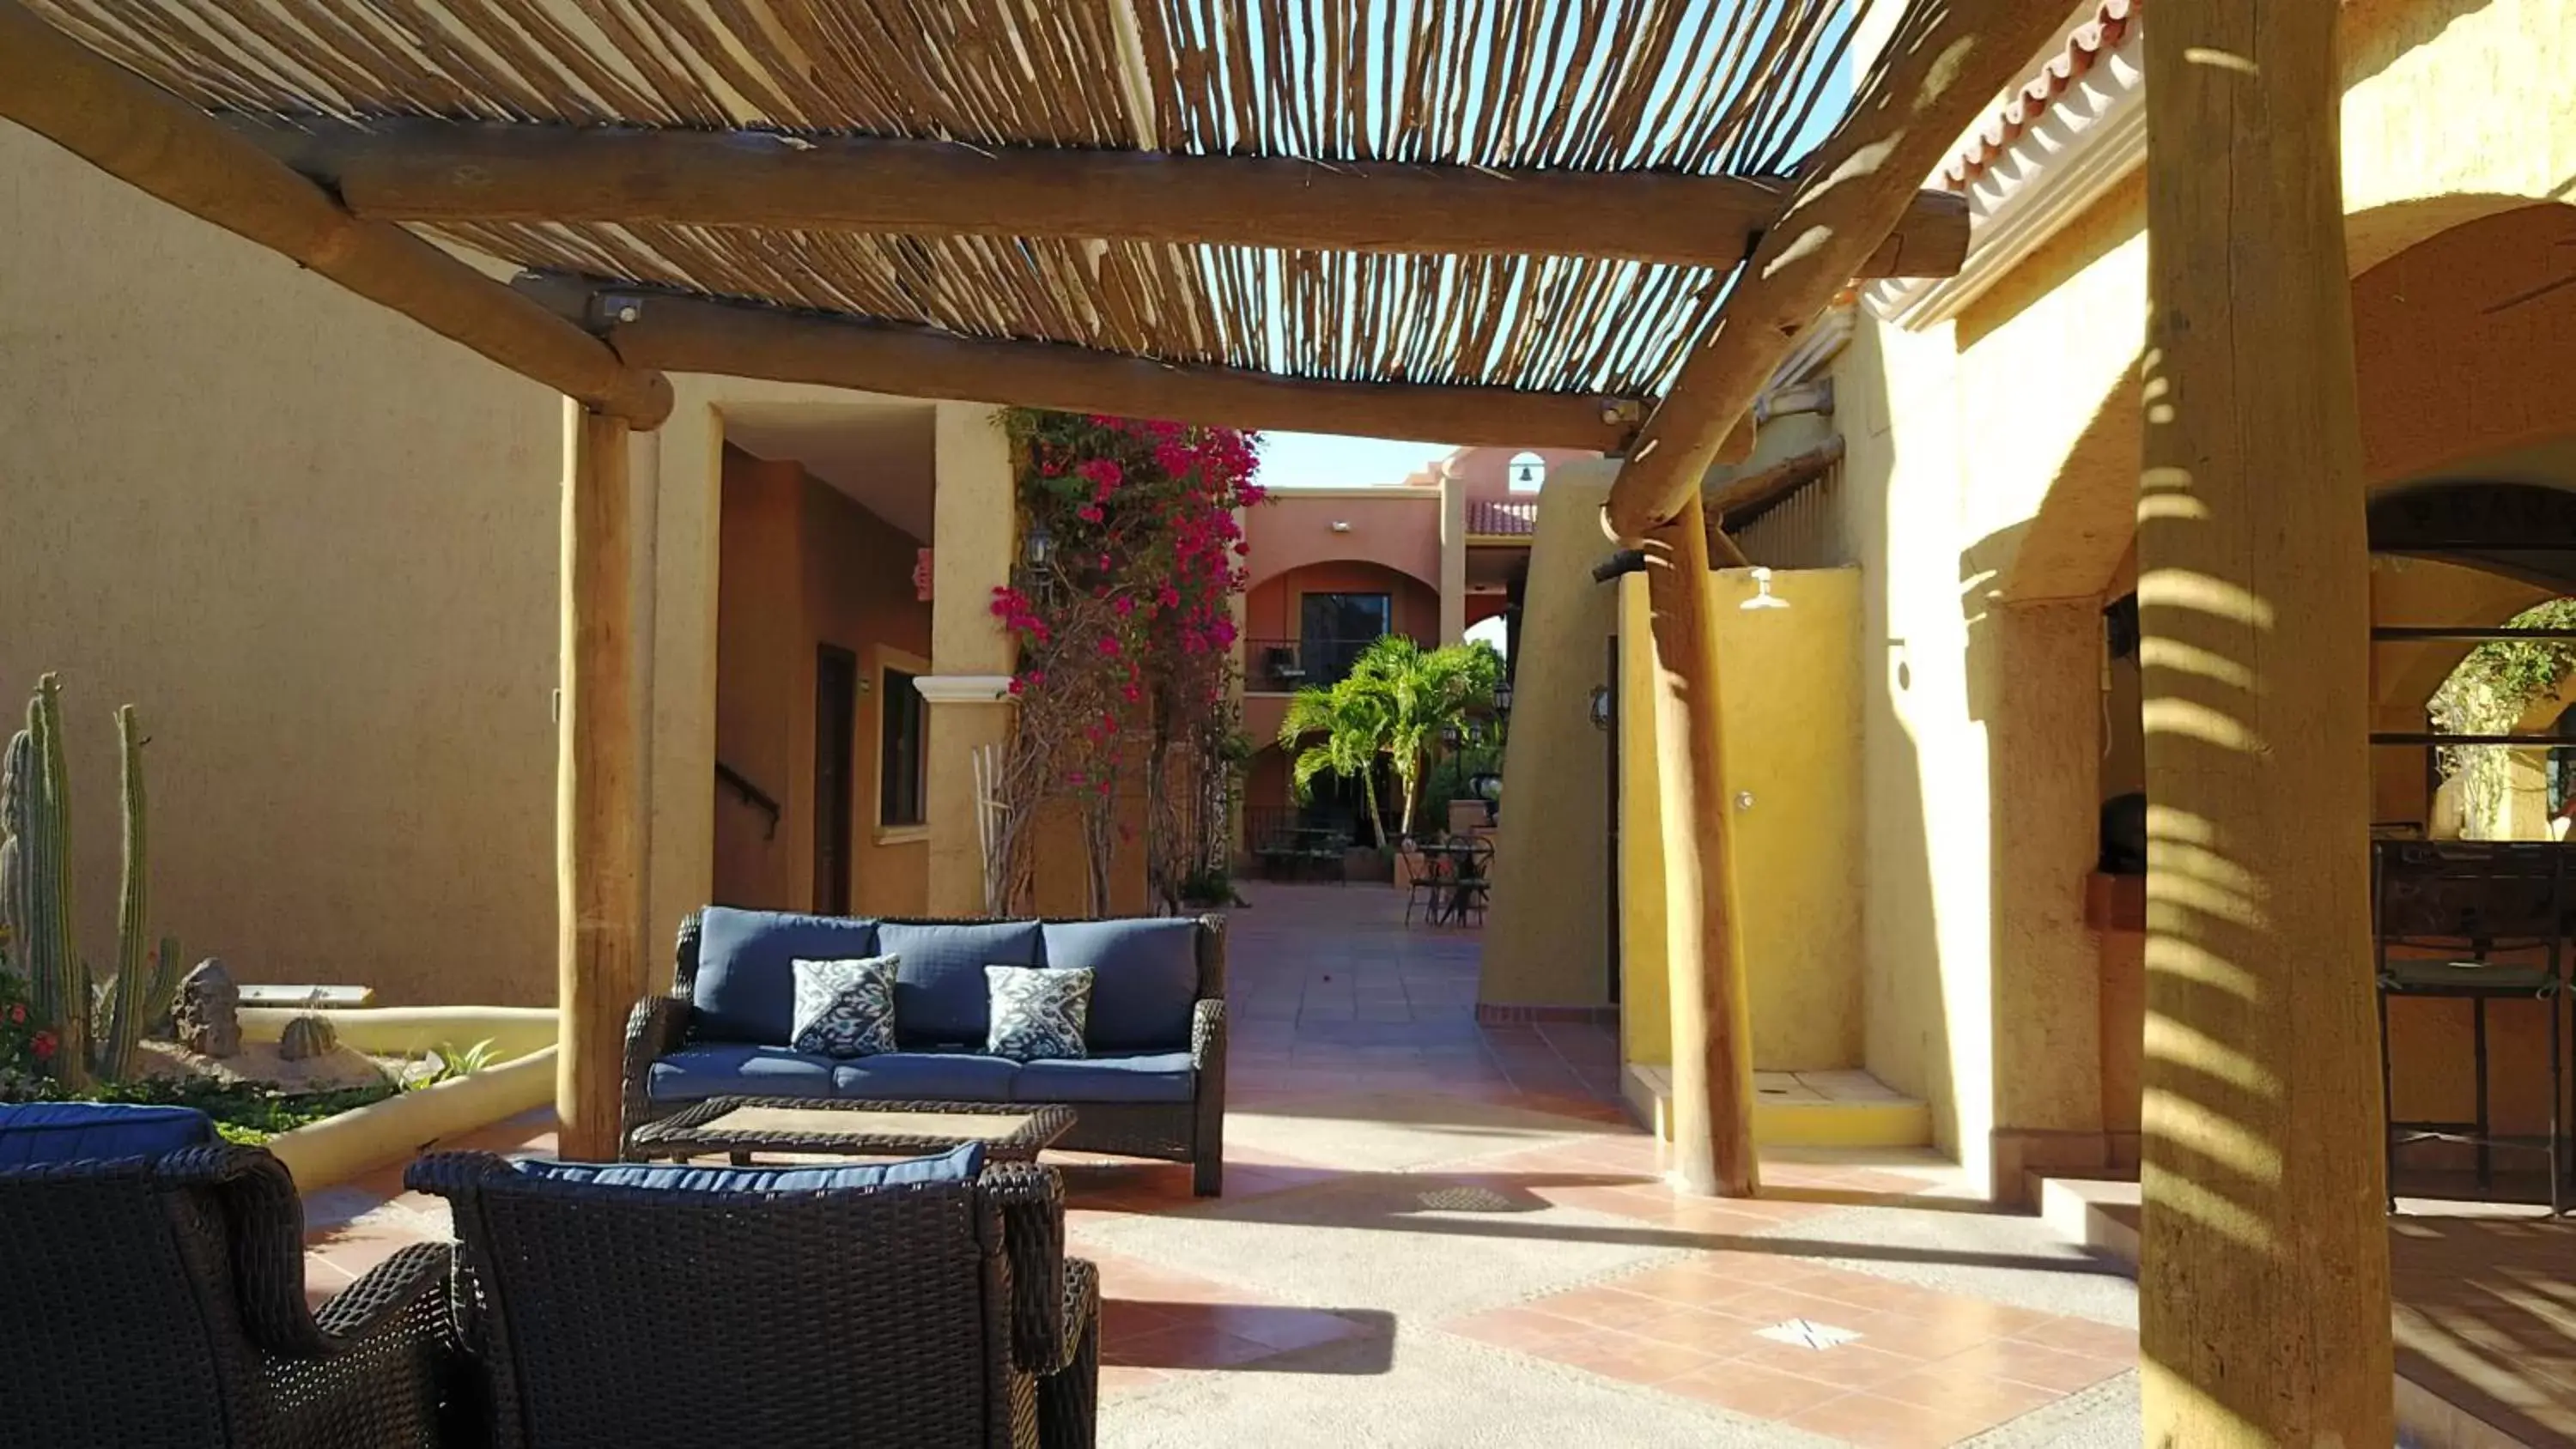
1800	1109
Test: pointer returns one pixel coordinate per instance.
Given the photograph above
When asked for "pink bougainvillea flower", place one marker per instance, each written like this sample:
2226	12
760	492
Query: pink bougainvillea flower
1089	513
42	1045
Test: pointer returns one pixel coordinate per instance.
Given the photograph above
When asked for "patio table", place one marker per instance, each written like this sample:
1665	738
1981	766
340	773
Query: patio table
741	1126
1460	890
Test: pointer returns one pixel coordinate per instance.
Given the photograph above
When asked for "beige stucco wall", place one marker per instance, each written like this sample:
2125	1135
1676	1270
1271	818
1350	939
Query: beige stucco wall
315	546
1547	937
1991	475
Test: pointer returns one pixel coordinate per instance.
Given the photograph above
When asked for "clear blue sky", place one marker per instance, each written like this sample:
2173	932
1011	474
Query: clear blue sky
1326	460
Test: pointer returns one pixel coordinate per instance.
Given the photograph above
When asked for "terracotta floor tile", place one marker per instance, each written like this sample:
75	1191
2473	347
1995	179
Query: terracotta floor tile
1957	1390
1637	1360
1851	1366
2083	1336
1744	1389
1876	1423
2036	1364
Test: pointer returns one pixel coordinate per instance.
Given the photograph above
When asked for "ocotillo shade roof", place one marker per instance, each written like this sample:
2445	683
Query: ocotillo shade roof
1712	87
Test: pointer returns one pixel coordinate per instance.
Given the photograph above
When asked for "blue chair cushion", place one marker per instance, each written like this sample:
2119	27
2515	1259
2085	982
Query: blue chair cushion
1145	979
746	983
33	1133
959	1164
1149	1077
926	1077
939	990
693	1074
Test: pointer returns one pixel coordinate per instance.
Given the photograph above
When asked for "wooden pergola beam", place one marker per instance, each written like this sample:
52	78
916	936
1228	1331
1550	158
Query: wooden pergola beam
152	140
688	334
445	172
1945	63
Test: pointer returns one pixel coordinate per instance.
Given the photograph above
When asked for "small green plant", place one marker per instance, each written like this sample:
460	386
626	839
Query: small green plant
453	1061
249	1113
2488	693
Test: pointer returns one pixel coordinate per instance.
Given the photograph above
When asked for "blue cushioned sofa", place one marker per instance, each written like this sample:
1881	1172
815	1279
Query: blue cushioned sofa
1152	1086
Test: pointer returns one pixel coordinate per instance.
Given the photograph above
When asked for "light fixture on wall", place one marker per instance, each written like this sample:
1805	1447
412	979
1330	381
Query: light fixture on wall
1763	598
1038	547
1503	698
1605	710
1341	525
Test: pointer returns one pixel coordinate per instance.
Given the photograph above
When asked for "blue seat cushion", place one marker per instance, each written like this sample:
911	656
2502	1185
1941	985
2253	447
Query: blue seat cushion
746	983
1147	1077
926	1077
732	1069
32	1133
939	988
959	1164
1145	979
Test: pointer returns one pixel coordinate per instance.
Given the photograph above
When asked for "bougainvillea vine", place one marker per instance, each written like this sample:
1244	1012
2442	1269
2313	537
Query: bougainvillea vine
1126	639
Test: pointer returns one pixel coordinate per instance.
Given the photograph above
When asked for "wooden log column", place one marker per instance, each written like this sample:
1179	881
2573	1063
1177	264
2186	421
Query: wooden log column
2264	1302
599	888
1712	1023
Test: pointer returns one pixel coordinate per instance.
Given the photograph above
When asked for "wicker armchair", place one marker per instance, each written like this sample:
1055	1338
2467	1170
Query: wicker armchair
155	1301
758	1308
1190	1130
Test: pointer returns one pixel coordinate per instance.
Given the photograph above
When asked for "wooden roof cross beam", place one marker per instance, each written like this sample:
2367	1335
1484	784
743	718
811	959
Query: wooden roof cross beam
152	140
448	172
1947	61
679	333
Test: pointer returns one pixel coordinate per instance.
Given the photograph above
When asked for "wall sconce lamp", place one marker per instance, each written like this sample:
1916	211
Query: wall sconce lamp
1341	525
1605	709
1038	547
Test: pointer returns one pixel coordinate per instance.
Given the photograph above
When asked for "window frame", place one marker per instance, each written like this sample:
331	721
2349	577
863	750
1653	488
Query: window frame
883	664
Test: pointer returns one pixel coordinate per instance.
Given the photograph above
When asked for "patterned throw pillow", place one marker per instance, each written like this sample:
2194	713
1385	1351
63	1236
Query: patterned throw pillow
1037	1012
845	1008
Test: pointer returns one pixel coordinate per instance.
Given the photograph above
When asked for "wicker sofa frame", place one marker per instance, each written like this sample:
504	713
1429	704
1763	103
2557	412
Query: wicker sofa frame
159	1301
622	1317
1191	1131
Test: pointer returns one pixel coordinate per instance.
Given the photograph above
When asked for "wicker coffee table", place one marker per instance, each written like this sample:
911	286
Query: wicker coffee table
741	1126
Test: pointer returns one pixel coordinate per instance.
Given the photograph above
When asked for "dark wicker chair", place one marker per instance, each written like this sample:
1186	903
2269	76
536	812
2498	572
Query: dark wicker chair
630	1317
1191	1131
151	1301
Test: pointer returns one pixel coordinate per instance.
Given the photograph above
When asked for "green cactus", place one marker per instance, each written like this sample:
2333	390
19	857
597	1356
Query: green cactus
309	1035
36	902
133	986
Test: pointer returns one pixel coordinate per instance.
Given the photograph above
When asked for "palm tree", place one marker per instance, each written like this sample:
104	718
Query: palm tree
1348	723
1396	702
1427	692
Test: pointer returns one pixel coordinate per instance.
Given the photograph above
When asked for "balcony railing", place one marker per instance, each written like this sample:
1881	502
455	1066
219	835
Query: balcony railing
1284	666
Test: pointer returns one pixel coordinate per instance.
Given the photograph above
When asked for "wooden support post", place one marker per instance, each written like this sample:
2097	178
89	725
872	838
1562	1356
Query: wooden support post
598	880
1712	1024
2264	1295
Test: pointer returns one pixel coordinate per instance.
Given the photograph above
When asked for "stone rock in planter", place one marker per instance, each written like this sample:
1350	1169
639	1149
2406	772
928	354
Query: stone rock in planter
207	1014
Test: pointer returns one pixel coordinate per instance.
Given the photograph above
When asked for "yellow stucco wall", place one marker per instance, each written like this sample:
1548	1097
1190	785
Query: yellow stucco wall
1789	702
315	546
1547	936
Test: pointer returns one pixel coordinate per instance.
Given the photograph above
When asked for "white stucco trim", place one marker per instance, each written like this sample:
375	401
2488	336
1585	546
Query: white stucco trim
964	688
2091	136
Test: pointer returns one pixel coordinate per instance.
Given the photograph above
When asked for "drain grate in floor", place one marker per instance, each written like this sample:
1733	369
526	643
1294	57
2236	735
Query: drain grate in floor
1467	1200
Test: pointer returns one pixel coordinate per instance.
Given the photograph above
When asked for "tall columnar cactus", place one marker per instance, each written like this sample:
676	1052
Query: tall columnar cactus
133	987
36	894
16	768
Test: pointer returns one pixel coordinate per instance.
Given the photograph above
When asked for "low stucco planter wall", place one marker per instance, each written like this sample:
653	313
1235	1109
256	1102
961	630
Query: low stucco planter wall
395	1129
514	1031
401	1126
